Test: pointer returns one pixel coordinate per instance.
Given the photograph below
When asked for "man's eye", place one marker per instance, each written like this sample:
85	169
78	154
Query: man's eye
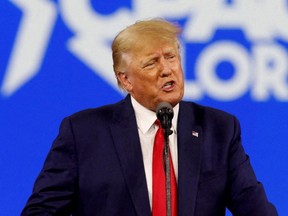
150	64
171	57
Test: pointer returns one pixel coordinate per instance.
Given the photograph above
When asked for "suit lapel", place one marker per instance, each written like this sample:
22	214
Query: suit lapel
127	144
189	159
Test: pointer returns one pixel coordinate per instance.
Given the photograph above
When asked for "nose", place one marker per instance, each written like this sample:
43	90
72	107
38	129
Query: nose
165	69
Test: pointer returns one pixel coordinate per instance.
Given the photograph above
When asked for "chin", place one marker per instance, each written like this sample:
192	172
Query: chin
174	101
172	98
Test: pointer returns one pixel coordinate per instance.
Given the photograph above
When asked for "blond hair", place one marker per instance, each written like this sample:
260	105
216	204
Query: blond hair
138	35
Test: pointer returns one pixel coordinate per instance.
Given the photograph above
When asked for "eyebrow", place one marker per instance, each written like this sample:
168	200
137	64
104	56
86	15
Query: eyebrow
151	56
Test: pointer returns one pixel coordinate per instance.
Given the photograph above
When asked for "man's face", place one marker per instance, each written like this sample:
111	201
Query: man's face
154	74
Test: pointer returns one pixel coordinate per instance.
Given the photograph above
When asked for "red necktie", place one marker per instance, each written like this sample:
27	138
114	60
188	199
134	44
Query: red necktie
158	179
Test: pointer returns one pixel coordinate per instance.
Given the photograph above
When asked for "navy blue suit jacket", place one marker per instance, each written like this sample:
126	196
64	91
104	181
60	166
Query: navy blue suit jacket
95	167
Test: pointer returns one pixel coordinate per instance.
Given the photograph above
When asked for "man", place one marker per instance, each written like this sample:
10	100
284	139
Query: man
101	162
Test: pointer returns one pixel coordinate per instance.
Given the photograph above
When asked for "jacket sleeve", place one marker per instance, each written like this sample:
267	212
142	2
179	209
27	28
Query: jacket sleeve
54	188
246	196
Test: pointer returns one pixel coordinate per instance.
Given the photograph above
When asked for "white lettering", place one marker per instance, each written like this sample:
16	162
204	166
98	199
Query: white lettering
158	8
270	19
31	42
271	72
206	68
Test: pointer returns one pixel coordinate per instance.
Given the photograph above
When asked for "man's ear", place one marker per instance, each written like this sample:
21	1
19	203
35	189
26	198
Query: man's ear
124	81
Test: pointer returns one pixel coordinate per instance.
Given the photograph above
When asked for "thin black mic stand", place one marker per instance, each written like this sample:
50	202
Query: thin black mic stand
167	156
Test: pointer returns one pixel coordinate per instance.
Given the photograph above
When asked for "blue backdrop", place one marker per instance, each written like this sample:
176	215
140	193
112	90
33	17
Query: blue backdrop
55	60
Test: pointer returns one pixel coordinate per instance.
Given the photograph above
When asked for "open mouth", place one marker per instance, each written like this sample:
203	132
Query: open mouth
168	85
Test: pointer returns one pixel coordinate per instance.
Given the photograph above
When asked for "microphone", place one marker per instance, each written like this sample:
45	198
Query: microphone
164	113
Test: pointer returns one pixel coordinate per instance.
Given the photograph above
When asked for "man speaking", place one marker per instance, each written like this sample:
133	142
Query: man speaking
121	159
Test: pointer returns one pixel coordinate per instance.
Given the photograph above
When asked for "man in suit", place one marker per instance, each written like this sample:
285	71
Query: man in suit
101	162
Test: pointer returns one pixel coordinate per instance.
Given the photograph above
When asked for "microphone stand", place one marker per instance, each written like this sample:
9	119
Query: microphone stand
167	156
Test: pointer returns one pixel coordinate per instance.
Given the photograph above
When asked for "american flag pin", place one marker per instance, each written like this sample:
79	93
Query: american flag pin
195	134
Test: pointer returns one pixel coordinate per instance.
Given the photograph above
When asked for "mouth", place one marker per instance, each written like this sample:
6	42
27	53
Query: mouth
168	86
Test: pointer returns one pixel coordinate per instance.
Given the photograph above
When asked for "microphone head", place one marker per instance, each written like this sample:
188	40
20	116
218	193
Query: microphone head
164	113
164	108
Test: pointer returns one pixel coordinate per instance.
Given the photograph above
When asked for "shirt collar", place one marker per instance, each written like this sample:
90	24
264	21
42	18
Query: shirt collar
145	118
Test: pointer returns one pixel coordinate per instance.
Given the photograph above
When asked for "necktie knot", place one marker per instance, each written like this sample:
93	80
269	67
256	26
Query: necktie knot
158	123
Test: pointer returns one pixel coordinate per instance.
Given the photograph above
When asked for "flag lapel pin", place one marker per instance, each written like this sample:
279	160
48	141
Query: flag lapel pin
195	134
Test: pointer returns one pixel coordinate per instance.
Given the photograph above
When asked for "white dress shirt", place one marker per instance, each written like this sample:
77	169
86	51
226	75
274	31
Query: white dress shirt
147	129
